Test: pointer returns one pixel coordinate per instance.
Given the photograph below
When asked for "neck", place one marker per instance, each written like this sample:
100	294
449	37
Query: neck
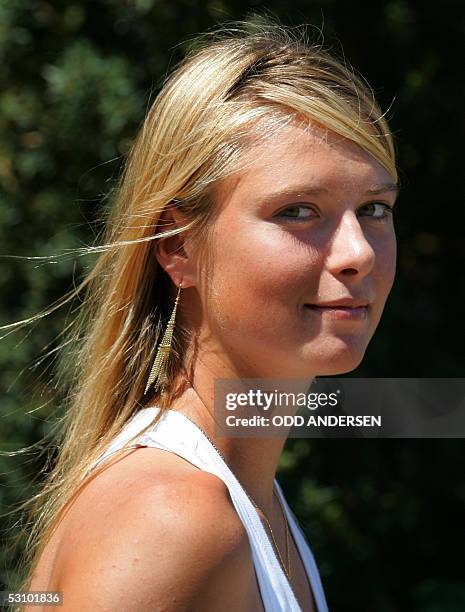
253	461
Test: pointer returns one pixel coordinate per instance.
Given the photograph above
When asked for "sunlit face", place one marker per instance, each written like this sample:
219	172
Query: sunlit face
280	246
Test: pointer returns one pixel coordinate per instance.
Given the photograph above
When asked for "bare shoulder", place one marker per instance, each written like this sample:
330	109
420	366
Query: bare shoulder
154	533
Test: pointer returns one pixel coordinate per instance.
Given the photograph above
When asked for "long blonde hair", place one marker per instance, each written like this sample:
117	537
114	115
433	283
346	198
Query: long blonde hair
238	77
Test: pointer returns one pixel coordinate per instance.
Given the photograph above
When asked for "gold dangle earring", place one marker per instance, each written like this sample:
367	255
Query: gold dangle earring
158	372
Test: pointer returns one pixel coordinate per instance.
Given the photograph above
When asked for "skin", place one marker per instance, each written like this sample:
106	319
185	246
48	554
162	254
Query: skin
269	259
246	318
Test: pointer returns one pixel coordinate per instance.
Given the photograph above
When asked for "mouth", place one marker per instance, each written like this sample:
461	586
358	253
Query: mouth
340	312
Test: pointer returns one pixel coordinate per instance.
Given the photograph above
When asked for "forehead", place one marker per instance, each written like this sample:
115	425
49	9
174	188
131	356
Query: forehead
303	154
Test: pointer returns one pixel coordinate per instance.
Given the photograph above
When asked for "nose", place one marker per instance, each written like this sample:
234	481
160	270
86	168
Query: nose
350	252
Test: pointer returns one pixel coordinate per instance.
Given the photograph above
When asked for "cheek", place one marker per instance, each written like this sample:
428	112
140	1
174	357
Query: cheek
262	270
382	277
385	267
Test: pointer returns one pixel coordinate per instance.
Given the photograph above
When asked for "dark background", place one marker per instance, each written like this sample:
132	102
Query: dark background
385	518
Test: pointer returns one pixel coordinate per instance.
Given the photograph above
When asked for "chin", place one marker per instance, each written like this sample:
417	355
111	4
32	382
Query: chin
335	360
342	369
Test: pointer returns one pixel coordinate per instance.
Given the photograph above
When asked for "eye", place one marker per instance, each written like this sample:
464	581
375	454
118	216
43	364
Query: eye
294	210
380	210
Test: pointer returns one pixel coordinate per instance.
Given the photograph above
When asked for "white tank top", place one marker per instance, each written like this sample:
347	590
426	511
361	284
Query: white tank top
177	433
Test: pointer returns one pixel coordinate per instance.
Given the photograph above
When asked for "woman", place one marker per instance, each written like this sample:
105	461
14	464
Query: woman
252	237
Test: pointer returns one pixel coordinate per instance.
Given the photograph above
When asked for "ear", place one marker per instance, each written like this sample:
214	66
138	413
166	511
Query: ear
172	253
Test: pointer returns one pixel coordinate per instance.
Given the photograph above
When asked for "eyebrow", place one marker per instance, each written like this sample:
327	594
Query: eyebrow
382	188
313	190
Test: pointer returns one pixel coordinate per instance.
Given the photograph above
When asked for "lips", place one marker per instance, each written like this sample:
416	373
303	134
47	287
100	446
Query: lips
343	310
342	303
336	307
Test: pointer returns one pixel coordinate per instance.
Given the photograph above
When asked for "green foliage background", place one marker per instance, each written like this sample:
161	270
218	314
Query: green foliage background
385	518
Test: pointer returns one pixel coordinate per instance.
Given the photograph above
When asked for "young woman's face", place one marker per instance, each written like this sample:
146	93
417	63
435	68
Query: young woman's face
281	250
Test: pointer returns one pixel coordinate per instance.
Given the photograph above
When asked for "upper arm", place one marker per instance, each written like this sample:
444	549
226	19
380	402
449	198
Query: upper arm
156	548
